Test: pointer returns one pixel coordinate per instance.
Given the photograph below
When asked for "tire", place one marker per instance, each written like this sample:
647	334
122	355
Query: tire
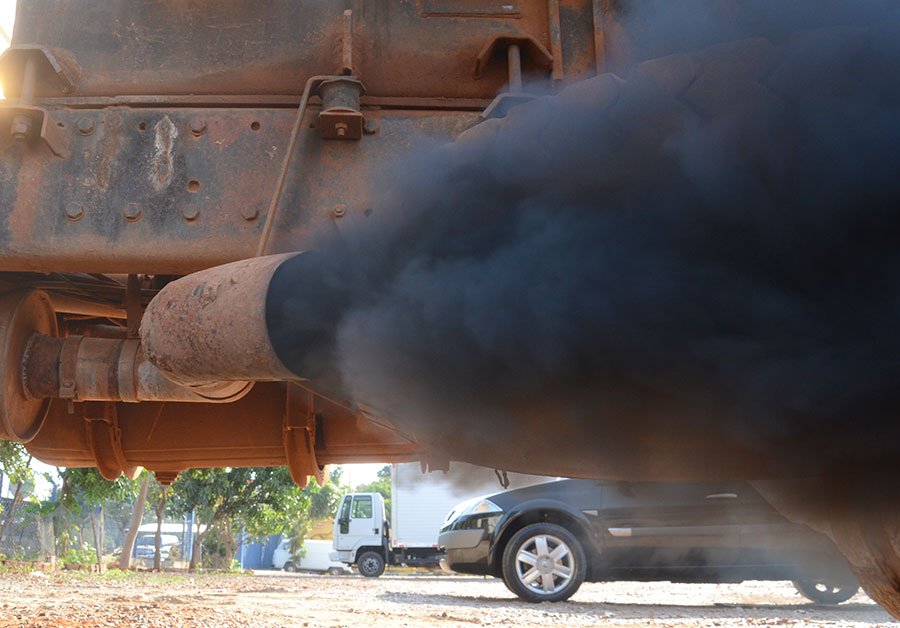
825	592
290	567
370	564
544	562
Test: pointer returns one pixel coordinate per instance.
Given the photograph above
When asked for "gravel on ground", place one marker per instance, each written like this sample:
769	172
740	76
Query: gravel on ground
268	600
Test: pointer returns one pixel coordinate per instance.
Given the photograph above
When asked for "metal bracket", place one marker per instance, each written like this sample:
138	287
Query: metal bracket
514	47
36	65
68	364
299	437
534	50
104	438
50	69
341	118
54	136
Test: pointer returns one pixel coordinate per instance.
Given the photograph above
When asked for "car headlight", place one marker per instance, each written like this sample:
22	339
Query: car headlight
477	506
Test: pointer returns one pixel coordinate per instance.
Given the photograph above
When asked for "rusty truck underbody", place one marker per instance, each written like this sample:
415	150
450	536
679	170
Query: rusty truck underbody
164	167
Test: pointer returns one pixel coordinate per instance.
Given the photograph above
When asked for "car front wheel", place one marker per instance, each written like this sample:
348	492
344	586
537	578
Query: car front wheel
370	564
544	562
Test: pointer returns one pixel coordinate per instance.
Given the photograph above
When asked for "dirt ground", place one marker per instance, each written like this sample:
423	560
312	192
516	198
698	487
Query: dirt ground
313	601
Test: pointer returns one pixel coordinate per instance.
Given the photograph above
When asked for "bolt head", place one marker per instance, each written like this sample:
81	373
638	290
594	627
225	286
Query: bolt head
339	210
197	127
249	212
190	212
21	127
74	211
85	126
132	212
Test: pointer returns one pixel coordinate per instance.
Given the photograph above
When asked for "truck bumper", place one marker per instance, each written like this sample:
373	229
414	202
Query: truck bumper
341	556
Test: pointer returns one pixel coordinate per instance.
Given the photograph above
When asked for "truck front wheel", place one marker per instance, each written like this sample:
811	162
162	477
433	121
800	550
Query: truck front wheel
370	564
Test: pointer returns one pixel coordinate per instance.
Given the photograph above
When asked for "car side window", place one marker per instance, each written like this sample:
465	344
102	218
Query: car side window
362	507
345	508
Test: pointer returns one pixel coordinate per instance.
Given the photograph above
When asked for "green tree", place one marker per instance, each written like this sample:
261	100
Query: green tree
15	464
91	487
257	501
137	515
324	500
381	485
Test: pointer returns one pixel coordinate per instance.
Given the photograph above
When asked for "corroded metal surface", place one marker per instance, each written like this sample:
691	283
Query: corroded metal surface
21	315
211	325
408	48
109	369
172	437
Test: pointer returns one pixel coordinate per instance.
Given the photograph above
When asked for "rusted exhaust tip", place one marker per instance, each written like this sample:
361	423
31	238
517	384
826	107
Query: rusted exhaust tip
211	325
268	318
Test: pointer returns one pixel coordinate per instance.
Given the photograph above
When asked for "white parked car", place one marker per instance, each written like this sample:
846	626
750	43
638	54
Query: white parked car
316	558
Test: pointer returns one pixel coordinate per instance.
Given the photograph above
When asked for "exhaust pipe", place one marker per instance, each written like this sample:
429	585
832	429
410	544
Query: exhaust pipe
238	322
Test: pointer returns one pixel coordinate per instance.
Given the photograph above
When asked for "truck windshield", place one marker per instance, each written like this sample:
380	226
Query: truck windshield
362	507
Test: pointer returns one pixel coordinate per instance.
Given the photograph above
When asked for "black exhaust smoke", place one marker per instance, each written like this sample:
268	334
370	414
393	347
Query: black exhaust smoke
692	272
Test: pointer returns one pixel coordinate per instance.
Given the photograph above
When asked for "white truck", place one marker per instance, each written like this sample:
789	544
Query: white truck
363	535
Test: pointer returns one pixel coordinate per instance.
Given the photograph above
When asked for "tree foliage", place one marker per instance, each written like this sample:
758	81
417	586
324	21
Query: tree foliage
382	485
14	461
245	503
88	486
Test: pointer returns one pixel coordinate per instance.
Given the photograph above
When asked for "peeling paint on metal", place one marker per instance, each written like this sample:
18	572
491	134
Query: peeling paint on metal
162	167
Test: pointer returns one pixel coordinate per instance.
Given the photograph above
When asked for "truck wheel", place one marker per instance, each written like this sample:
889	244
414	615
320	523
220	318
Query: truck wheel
544	562
370	564
825	592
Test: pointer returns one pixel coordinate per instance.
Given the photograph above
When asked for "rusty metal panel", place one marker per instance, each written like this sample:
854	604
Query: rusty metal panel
401	48
177	190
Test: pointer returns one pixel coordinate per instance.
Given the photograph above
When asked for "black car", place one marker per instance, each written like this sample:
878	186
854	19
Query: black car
545	540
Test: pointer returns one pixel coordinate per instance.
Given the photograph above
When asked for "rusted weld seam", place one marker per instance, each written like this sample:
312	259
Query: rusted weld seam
599	37
285	166
557	73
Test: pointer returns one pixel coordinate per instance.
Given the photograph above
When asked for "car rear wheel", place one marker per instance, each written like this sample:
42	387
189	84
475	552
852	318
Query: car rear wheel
544	562
370	564
825	592
289	566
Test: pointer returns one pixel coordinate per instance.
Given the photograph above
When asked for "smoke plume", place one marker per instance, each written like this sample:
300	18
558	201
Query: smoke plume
644	270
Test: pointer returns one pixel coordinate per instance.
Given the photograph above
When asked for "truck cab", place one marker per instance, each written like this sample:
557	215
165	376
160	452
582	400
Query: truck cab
361	533
362	537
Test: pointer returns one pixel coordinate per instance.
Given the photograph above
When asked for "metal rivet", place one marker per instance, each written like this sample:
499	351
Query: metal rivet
197	127
74	211
132	212
371	127
249	213
190	212
339	210
85	126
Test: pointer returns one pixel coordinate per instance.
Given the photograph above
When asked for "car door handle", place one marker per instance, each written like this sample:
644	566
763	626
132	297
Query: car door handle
722	496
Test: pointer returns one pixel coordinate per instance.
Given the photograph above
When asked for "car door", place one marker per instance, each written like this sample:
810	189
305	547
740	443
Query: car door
673	526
